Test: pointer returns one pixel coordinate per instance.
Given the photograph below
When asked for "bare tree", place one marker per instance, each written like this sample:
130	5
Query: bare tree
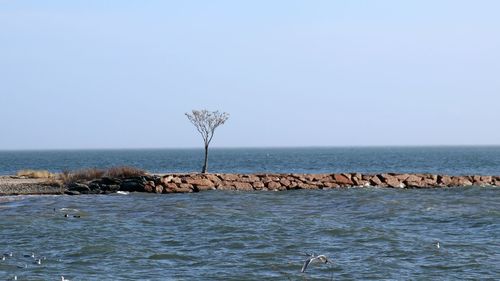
206	122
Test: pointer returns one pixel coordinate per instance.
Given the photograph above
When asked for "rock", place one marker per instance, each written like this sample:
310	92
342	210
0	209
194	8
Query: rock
167	179
330	184
185	185
460	181
444	180
213	178
487	180
402	177
245	186
342	179
258	185
293	185
177	180
273	185
132	186
357	179
184	188
226	187
307	186
170	187
392	181
285	182
229	177
249	178
158	189
321	177
111	188
149	188
80	187
110	181
72	192
375	181
200	182
205	188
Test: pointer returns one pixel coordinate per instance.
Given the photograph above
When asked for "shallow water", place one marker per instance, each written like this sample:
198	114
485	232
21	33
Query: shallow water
369	234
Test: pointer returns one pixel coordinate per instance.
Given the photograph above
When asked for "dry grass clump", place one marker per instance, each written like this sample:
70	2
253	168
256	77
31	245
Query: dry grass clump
35	174
82	175
124	172
91	174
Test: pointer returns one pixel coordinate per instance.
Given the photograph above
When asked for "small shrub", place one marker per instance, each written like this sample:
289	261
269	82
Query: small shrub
35	174
82	175
91	174
124	172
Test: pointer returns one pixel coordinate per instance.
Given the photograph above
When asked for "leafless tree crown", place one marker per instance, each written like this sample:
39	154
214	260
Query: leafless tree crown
206	122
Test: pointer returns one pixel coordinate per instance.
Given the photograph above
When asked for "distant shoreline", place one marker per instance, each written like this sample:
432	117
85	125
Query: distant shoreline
187	183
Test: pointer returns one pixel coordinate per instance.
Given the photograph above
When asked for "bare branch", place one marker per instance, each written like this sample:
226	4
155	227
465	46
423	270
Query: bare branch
206	122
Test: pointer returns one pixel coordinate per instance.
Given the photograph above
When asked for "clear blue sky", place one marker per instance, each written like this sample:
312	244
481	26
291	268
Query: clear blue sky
121	74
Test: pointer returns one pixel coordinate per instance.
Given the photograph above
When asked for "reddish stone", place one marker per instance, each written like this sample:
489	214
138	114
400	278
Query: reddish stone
205	187
185	186
249	178
342	179
393	182
285	182
330	184
200	182
243	186
444	180
258	185
213	178
307	186
375	181
273	185
229	177
226	187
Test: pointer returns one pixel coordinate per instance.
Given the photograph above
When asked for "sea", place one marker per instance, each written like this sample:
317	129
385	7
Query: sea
366	233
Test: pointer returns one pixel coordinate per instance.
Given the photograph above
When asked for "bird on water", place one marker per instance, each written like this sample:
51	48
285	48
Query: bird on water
313	259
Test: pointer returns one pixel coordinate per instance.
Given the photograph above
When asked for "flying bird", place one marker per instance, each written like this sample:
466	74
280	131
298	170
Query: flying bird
313	259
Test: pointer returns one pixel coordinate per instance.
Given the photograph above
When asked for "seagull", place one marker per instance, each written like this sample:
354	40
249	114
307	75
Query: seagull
437	245
38	261
9	254
312	258
3	258
62	279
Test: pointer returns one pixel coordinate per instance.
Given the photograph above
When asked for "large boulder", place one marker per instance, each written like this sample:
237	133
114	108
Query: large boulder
244	186
229	177
79	187
200	182
342	179
273	185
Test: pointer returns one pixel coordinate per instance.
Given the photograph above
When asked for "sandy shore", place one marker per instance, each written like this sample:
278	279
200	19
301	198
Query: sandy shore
11	185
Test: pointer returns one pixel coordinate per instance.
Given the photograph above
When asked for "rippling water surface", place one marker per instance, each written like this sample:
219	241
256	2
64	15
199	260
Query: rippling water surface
442	160
369	234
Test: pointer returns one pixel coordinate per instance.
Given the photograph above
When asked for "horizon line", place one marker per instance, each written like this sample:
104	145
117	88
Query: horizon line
254	147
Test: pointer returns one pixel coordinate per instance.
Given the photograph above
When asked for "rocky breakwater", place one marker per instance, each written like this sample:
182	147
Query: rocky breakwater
185	183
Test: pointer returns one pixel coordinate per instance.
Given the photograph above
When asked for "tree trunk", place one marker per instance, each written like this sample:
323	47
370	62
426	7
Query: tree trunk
204	170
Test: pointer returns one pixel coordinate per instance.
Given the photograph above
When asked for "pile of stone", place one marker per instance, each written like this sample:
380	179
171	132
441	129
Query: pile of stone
184	183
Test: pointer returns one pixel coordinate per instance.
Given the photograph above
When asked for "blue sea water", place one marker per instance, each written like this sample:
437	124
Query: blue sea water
368	233
443	160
